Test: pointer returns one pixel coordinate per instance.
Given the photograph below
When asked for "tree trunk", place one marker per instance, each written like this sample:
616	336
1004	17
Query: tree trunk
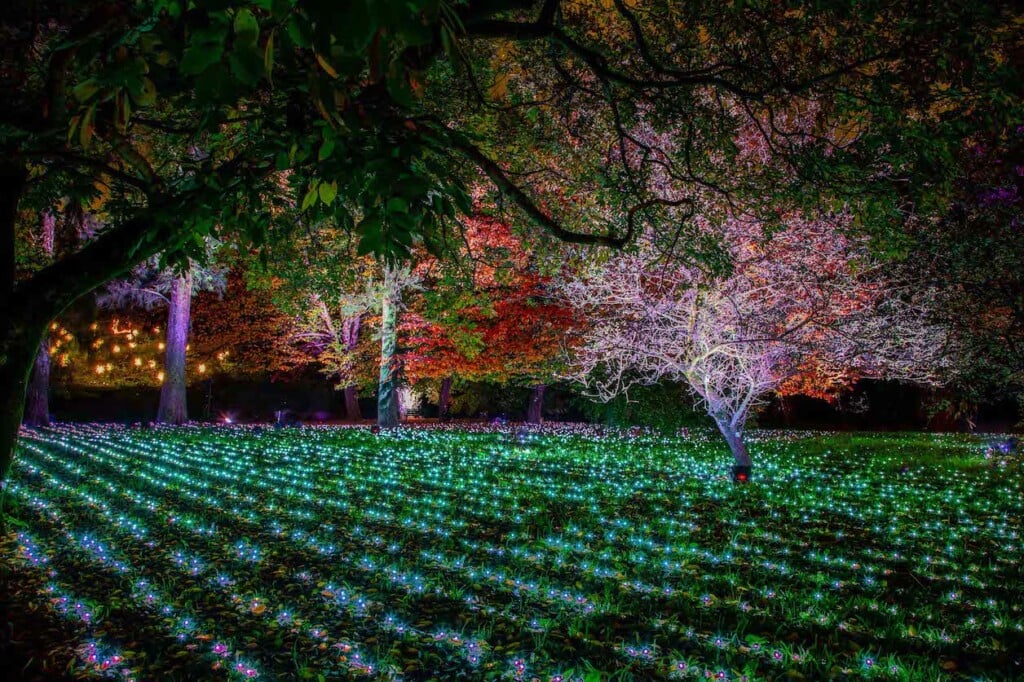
37	408
734	439
19	339
352	411
37	400
173	408
19	344
536	409
444	400
350	337
387	389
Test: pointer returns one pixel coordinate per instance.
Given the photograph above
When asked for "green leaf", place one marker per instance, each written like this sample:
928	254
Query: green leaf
247	29
246	64
398	204
198	58
84	91
370	242
326	149
300	30
310	197
268	57
88	126
328	191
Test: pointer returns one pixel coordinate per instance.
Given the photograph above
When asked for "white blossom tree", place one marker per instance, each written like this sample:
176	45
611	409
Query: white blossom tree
808	301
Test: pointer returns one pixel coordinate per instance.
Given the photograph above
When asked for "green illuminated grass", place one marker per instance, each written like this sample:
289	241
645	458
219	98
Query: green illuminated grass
213	553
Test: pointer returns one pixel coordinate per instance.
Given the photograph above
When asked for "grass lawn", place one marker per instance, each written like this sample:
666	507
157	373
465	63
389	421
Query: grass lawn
333	553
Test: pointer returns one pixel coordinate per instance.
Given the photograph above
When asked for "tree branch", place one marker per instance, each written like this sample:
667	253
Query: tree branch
505	185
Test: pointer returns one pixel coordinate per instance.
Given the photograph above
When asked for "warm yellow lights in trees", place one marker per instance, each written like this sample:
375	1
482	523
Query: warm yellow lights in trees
138	362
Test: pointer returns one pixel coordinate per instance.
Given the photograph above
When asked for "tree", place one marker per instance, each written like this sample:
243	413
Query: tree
37	400
376	113
972	255
488	316
396	280
805	302
151	286
327	292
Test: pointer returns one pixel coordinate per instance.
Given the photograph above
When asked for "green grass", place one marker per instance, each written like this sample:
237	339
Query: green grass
214	553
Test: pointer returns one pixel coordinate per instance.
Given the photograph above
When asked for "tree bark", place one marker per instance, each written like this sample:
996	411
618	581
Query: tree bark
734	440
535	412
352	411
173	408
37	400
387	389
37	408
444	400
350	337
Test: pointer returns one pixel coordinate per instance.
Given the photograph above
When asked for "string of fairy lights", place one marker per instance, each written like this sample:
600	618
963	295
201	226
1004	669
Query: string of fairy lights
115	352
470	554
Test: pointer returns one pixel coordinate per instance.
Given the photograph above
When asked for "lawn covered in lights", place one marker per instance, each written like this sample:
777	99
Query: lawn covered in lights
334	553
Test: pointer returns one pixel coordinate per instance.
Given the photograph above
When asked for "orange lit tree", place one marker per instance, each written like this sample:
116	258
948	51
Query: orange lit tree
488	316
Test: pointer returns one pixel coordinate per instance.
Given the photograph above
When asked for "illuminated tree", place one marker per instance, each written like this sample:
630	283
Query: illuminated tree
329	291
150	286
808	301
489	317
396	280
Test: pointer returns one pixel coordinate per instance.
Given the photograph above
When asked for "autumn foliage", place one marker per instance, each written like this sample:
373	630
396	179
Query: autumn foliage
502	324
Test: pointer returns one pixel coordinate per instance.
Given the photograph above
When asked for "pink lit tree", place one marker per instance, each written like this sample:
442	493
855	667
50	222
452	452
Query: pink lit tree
808	301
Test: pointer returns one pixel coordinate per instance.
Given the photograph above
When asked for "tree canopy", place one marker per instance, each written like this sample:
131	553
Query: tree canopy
593	120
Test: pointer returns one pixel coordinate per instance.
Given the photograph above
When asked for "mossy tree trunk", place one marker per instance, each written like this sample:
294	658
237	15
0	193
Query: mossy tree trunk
387	389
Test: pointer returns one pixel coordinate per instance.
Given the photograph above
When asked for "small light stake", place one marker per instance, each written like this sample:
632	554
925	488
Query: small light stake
740	474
